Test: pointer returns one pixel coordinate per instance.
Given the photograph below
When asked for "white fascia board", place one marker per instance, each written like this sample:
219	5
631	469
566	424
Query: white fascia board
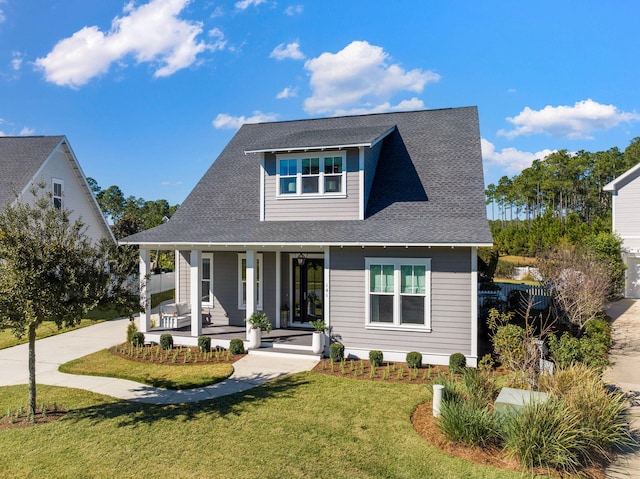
612	186
296	245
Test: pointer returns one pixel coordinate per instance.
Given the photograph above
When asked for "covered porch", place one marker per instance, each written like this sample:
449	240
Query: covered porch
291	288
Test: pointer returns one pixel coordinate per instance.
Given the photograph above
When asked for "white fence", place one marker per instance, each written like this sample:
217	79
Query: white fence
161	282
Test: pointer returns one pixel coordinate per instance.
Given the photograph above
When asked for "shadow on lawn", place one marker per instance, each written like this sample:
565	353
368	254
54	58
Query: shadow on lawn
128	414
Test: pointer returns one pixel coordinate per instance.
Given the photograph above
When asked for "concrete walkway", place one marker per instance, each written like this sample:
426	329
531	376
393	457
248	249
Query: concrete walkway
249	372
625	373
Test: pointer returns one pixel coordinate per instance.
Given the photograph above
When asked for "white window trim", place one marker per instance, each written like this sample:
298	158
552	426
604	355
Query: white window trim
321	183
241	304
396	263
55	181
202	257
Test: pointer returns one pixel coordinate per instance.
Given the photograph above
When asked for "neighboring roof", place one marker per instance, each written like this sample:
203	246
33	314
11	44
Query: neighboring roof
20	159
623	179
428	188
323	139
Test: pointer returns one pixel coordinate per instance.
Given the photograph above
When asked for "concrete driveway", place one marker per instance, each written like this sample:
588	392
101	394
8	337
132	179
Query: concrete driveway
625	374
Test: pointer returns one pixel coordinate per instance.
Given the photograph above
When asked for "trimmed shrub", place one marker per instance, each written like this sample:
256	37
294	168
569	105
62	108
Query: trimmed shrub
336	352
457	363
166	341
414	359
137	339
375	357
131	329
236	346
564	350
204	344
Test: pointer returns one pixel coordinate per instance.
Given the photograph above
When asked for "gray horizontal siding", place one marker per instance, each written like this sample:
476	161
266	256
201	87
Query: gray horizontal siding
450	301
284	209
183	259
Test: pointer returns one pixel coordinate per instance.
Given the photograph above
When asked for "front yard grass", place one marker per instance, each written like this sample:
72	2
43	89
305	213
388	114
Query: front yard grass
305	425
103	363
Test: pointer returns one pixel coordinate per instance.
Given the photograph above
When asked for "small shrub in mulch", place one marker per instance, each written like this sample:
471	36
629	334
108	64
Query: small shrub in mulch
178	356
19	418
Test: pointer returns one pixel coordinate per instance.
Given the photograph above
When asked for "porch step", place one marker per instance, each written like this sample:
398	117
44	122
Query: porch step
285	353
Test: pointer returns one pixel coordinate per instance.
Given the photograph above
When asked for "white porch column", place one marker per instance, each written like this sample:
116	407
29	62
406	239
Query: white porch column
145	298
474	306
195	296
278	287
327	297
251	258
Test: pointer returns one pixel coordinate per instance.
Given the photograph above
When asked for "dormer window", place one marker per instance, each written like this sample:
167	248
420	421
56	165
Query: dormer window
311	175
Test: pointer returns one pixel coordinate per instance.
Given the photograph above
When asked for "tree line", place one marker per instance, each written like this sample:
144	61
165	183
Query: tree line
557	199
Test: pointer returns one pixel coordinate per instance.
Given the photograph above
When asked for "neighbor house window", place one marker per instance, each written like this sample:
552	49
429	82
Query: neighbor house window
300	175
398	293
242	281
57	188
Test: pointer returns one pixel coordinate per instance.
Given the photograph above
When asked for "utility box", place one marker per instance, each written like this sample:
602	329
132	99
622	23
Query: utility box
511	400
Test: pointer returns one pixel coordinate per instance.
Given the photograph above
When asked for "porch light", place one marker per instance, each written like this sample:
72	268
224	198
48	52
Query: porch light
301	259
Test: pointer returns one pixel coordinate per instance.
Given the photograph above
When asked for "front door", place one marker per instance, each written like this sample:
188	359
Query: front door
308	287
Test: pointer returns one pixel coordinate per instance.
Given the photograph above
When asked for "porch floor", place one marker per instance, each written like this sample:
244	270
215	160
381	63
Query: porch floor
275	338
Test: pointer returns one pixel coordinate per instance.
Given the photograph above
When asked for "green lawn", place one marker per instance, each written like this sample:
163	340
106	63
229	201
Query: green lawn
103	363
307	425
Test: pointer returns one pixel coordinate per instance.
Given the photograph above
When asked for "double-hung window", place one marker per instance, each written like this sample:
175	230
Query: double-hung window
57	187
206	281
311	175
398	293
242	281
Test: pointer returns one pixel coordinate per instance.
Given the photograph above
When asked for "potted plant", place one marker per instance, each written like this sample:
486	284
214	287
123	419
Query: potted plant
317	338
259	322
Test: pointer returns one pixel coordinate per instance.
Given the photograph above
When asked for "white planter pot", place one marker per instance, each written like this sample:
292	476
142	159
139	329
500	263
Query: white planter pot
255	337
317	342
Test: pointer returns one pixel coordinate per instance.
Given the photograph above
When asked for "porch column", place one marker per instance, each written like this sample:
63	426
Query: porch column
251	257
195	296
145	298
278	288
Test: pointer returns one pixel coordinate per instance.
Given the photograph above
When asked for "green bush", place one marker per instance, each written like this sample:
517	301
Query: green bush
375	357
166	341
457	363
591	349
137	339
504	269
546	434
131	330
461	421
236	346
414	359
204	344
508	345
336	352
565	350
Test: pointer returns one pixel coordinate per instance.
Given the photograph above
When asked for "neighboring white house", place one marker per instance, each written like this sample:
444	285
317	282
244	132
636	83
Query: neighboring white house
28	160
625	191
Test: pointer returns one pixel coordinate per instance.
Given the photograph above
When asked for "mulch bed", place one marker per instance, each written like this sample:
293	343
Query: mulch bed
22	420
388	372
178	356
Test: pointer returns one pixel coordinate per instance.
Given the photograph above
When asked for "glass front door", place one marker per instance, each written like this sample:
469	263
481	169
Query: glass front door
308	287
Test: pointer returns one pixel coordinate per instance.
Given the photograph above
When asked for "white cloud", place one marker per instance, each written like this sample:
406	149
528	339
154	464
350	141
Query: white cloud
405	105
171	183
288	92
290	50
16	61
152	33
359	74
511	160
294	10
3	17
27	131
226	121
244	4
571	122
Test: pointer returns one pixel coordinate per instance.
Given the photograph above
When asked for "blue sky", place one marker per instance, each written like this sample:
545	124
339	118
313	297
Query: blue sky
149	92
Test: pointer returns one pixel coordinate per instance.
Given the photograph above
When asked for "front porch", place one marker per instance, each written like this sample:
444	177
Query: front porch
285	341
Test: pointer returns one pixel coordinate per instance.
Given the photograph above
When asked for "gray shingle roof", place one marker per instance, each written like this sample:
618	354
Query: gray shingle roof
428	187
20	159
